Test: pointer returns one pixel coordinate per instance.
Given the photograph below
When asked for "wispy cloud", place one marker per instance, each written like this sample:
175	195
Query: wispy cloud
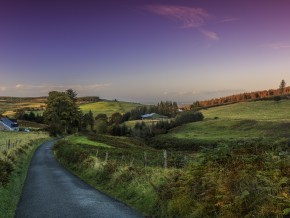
278	45
229	19
3	88
188	17
45	88
210	35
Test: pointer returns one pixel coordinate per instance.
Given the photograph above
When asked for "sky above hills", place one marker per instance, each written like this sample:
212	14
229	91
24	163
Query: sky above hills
143	50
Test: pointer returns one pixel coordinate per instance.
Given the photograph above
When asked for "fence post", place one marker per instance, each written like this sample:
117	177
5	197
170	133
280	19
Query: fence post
145	159
107	156
165	158
185	161
132	161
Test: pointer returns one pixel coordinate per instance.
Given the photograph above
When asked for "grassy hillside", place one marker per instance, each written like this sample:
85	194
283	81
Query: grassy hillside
108	107
241	121
259	110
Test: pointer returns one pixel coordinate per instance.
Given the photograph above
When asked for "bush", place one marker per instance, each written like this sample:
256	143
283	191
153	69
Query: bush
188	117
6	169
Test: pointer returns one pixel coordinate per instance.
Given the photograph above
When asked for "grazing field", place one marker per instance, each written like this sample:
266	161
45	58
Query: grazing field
9	107
266	119
258	110
108	107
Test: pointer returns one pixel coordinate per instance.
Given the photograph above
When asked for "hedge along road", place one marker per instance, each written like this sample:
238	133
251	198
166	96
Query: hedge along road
52	191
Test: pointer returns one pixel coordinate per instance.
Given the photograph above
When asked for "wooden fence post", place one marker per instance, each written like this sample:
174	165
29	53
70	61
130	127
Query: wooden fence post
132	161
145	159
165	158
185	161
107	156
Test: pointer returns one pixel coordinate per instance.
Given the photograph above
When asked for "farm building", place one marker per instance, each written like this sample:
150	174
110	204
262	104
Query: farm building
153	116
8	124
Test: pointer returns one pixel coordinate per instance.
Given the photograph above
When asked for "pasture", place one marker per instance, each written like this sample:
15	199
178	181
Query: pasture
257	110
241	121
108	107
9	106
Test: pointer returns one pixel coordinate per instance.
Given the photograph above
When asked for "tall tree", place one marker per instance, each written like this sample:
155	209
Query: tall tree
72	94
62	114
91	120
282	86
116	118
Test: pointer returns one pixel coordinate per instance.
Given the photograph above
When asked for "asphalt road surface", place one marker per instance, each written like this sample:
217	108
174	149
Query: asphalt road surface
52	191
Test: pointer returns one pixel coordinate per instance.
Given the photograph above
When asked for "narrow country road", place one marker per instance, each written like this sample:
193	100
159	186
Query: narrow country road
52	191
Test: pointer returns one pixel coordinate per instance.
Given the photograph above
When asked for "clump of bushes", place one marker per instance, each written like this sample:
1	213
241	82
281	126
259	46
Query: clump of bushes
6	169
188	117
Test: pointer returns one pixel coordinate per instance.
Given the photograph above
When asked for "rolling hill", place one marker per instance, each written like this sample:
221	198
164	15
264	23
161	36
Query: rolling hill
240	121
108	107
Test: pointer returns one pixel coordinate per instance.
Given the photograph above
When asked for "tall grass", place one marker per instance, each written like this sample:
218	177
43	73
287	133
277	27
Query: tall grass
14	162
248	178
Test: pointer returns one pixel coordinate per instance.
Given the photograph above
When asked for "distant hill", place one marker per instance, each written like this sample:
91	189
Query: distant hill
247	96
108	107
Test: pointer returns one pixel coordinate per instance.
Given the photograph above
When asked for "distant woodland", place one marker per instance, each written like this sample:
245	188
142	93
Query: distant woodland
271	94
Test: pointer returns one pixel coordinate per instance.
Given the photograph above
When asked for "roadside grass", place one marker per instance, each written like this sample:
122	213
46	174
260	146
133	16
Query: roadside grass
18	139
108	107
14	163
120	170
248	178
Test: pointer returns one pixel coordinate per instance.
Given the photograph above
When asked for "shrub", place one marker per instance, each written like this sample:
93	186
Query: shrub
6	169
188	117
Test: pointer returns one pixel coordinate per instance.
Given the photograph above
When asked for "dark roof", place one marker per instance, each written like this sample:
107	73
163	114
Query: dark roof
11	123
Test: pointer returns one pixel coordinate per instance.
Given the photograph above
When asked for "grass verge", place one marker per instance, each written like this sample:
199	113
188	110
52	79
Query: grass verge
11	191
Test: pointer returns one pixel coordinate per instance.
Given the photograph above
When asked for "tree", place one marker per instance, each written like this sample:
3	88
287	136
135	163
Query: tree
91	120
101	126
282	87
101	117
72	94
116	118
62	114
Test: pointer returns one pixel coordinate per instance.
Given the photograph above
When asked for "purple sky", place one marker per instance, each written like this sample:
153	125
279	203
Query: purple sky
143	50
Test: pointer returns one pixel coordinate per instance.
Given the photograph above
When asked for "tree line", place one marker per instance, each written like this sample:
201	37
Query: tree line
257	95
64	116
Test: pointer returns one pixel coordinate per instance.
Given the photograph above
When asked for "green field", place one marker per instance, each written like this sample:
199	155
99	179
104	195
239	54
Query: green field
268	119
85	141
108	107
258	110
8	107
